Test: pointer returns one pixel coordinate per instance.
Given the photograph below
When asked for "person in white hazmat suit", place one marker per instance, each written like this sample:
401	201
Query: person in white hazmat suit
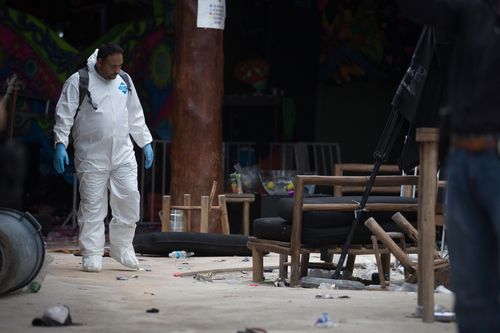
101	128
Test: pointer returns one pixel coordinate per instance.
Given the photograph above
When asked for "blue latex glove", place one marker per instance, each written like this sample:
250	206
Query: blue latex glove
60	158
148	156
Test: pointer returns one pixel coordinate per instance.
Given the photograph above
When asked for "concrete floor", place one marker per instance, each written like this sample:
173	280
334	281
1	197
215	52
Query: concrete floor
101	303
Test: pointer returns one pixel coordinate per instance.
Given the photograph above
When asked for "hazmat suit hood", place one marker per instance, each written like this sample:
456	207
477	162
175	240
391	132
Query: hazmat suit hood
91	61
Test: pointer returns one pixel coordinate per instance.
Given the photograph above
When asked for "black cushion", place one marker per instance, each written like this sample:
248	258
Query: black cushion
321	228
202	244
279	229
326	219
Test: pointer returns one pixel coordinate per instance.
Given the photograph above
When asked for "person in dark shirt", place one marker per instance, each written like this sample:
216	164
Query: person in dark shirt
473	164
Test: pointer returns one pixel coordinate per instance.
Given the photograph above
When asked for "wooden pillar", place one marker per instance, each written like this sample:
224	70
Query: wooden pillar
295	272
196	157
428	139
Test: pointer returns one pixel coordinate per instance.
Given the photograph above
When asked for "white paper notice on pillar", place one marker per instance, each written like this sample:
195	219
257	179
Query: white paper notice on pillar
211	14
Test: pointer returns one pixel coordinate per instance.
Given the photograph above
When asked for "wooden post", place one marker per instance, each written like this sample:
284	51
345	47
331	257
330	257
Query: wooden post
165	217
205	207
283	269
257	265
187	213
224	219
196	158
427	188
296	232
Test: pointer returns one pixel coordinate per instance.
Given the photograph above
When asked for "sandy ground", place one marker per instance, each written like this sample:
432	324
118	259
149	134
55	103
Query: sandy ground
229	303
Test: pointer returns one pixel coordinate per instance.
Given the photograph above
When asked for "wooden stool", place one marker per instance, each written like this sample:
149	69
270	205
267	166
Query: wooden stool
245	199
206	206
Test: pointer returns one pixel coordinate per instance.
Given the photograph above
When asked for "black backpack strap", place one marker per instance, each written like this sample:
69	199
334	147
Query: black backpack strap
83	85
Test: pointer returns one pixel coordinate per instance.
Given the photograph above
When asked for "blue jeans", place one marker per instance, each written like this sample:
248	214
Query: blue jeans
473	222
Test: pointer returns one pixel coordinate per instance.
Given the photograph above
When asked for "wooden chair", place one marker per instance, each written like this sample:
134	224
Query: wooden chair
206	207
352	169
296	246
441	265
349	169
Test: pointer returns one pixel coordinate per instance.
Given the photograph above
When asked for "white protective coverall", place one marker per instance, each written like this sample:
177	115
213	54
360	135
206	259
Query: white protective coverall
104	160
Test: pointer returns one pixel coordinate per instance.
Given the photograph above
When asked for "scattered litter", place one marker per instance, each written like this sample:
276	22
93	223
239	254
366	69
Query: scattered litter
409	287
326	285
319	273
57	315
442	290
253	285
148	293
153	310
245	259
280	282
253	330
121	278
324	321
312	282
180	254
368	272
177	274
445	316
219	260
134	276
145	269
330	296
184	268
440	313
215	278
208	277
233	280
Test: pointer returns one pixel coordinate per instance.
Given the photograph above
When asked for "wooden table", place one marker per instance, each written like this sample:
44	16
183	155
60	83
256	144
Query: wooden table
245	199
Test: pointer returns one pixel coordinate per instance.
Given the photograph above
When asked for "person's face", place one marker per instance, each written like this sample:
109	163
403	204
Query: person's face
110	66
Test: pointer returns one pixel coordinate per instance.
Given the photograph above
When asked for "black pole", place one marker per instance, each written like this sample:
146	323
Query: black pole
384	146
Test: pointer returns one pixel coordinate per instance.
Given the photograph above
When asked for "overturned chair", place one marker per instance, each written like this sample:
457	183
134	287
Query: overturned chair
398	249
308	225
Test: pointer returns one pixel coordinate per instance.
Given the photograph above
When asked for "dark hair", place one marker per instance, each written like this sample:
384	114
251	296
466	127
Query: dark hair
108	49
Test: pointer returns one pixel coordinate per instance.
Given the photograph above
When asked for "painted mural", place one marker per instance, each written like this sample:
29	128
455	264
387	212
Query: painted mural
42	61
364	39
149	48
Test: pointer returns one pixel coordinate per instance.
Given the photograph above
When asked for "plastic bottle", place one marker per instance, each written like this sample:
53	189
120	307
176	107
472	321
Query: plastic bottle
180	254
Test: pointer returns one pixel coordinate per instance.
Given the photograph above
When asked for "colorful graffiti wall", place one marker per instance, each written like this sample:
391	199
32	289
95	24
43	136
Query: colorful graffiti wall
42	61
